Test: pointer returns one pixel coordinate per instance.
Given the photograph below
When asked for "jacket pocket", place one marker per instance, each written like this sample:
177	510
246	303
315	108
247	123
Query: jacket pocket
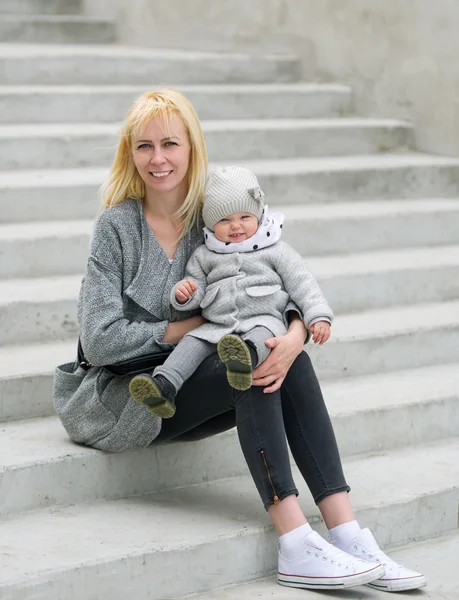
209	297
263	290
76	401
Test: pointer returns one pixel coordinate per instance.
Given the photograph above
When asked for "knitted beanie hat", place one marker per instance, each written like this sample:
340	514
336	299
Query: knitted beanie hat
231	190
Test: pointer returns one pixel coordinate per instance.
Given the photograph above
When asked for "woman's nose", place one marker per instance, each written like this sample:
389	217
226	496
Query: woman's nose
157	157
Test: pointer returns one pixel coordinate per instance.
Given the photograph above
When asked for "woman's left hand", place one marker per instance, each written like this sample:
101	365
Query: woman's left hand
284	350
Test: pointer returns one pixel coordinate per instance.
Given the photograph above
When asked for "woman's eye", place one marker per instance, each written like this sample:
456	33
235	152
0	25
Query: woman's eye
170	144
143	146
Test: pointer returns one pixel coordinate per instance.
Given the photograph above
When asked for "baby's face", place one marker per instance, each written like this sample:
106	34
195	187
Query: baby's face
236	227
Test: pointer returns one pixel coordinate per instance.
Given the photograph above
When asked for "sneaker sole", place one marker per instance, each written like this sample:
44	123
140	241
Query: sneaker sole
330	583
398	585
234	353
145	391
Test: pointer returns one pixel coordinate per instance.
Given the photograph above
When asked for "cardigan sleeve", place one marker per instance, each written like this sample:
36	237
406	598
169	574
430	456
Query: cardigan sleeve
302	287
194	271
107	336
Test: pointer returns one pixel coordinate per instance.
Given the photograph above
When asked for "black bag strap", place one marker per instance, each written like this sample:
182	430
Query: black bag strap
82	361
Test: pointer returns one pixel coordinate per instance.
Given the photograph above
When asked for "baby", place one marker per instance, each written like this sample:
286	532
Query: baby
245	280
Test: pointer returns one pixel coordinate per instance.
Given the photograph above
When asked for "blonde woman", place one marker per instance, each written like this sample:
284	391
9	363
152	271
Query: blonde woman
149	227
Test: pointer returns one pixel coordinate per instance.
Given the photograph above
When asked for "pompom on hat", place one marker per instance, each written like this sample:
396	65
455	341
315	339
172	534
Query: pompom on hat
230	190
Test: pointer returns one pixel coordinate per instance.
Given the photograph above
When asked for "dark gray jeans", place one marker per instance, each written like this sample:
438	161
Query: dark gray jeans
207	405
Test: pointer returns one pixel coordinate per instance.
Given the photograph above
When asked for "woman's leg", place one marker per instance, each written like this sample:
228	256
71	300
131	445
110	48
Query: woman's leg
315	451
312	441
206	405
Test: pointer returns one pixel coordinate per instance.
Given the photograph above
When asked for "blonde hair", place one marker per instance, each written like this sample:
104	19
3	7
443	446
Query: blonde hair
124	180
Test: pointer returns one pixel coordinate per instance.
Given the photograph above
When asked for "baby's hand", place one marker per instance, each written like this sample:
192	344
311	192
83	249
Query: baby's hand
185	290
320	332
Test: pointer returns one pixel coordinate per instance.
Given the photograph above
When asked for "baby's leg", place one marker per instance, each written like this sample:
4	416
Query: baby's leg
241	354
184	360
158	392
256	338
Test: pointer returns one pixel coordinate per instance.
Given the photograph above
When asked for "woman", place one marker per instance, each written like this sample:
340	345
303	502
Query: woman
150	225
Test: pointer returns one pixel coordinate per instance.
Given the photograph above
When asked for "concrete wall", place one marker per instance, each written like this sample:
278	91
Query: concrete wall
399	55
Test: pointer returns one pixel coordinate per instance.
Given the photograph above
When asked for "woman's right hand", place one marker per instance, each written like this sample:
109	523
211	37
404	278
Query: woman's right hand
175	331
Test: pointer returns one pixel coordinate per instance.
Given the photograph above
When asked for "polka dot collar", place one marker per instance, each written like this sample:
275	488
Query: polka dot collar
268	233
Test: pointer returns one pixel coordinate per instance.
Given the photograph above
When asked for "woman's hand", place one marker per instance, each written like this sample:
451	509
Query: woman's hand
284	350
176	330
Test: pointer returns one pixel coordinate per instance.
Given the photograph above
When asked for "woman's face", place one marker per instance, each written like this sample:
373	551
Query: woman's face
162	158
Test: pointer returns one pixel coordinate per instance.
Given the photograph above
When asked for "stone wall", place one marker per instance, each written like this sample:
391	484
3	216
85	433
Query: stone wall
400	56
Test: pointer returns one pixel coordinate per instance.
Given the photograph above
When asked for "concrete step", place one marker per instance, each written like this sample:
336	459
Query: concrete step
373	413
65	145
109	103
385	340
44	309
42	249
57	29
139	545
44	64
435	558
37	7
48	195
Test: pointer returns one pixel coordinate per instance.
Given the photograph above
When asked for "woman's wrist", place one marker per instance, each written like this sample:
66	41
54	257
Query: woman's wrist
296	327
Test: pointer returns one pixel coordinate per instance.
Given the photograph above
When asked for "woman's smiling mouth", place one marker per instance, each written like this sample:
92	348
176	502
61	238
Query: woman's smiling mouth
160	174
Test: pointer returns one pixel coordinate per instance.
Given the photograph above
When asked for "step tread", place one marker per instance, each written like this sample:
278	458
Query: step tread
69	177
435	558
38	441
49	130
47	289
193	515
216	88
12	50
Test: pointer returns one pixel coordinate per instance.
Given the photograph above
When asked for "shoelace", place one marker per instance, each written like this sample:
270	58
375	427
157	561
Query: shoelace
378	555
334	555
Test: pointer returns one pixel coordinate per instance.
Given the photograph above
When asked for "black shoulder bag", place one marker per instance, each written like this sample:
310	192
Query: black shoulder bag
132	366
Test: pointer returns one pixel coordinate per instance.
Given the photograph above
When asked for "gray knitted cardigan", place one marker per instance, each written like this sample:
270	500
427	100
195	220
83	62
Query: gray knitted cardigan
123	312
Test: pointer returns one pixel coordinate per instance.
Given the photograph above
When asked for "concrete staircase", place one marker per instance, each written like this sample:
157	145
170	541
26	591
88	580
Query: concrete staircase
379	225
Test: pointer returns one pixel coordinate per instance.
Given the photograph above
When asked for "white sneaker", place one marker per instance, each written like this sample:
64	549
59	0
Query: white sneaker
321	566
396	578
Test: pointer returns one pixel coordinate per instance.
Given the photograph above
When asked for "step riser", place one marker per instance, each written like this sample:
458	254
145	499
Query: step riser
98	107
228	560
26	397
100	70
38	7
95	475
98	150
352	358
27	322
33	259
342	186
24	31
322	237
49	256
79	201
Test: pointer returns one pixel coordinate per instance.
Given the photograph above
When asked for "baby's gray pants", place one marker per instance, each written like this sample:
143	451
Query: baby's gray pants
191	352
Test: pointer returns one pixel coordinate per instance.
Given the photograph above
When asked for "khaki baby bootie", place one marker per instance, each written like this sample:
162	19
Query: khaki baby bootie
239	359
157	393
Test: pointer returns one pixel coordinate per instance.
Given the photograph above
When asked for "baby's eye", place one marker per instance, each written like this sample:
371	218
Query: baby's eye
224	220
245	217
